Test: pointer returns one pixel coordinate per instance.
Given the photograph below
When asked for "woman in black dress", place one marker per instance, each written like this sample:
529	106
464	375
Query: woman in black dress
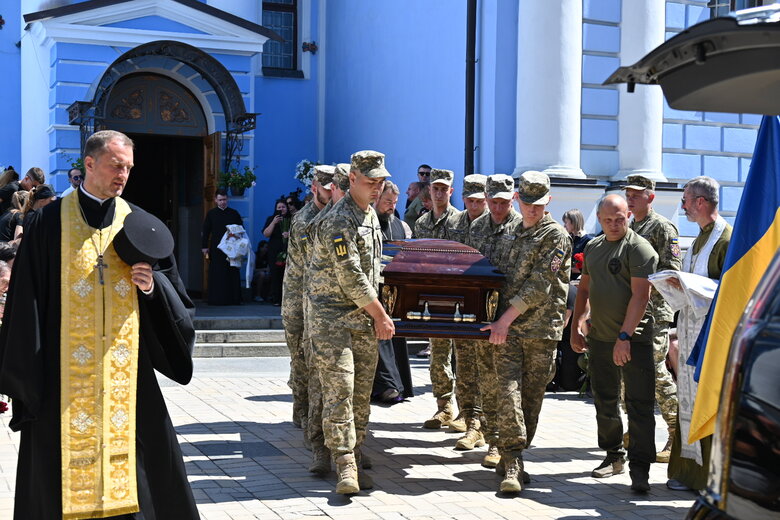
277	231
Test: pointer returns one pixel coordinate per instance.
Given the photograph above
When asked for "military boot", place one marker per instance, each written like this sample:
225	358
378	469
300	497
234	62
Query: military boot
501	470
348	475
492	457
458	424
442	417
320	461
473	437
663	455
513	468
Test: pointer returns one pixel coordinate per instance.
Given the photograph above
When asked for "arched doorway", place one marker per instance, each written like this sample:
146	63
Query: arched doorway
168	127
192	110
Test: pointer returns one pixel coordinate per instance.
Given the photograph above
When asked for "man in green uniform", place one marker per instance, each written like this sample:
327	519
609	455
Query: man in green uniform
663	236
321	459
467	375
492	235
614	283
292	296
524	338
689	463
434	225
346	317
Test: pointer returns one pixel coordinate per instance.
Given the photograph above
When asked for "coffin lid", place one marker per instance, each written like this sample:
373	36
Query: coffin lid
427	257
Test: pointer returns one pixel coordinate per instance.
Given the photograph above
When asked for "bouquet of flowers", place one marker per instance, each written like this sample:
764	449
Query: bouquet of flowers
304	171
579	258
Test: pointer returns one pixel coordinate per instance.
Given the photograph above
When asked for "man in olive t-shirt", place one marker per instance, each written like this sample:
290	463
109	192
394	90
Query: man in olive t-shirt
614	285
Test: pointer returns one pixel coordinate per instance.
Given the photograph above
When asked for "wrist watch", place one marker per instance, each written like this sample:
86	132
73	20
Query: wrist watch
623	336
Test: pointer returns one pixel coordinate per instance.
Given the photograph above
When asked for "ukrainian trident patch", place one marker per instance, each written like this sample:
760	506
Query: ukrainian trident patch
339	246
675	247
557	260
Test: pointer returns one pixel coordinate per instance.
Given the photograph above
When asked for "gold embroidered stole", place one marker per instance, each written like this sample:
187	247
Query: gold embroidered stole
98	370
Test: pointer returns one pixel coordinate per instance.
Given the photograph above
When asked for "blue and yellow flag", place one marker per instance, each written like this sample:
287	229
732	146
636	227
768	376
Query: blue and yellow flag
754	241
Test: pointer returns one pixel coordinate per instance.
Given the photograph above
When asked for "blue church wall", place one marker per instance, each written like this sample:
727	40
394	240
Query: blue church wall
395	83
11	87
155	23
495	136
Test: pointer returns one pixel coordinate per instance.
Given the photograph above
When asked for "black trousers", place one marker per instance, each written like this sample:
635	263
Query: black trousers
639	378
392	369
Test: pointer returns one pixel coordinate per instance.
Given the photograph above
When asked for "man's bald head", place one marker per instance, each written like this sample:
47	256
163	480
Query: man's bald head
612	203
613	215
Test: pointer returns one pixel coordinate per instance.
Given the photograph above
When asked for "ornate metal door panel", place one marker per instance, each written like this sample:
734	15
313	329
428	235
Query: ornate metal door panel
154	104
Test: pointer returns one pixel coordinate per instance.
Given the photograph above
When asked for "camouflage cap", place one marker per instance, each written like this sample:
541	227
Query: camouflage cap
370	163
442	176
500	186
534	187
638	182
341	176
474	186
323	173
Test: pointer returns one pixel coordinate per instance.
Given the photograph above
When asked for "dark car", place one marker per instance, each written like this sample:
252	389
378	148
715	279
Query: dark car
732	64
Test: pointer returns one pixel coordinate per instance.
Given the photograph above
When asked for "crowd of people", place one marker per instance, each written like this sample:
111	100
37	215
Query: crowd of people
322	263
567	295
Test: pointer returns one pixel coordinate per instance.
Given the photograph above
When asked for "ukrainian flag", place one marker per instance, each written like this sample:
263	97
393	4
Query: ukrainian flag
754	241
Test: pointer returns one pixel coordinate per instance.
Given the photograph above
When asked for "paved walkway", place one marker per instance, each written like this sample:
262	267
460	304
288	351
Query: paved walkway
245	459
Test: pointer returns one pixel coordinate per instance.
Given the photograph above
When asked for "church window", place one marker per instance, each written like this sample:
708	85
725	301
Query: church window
723	7
281	58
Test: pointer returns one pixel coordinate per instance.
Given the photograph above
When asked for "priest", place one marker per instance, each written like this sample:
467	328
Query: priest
82	336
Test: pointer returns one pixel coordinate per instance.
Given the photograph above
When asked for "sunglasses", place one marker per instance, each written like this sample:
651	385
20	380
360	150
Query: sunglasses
424	174
77	177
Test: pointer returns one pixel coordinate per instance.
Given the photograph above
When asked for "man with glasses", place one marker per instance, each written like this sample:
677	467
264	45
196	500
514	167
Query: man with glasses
74	177
424	173
688	463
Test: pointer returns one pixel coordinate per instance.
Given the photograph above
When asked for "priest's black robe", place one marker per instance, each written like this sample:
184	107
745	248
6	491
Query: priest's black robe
30	374
224	280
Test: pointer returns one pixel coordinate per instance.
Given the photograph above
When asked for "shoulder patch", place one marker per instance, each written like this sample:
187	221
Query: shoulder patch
675	247
304	237
339	246
557	260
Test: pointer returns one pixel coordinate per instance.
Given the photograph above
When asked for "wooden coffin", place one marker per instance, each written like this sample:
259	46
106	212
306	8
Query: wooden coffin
439	289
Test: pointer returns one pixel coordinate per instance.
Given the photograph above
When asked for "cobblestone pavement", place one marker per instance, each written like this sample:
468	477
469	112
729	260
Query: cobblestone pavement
246	460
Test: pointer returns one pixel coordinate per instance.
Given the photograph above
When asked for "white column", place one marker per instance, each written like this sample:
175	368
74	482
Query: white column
247	9
640	118
549	87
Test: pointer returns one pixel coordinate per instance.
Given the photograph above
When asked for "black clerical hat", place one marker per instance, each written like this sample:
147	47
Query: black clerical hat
143	238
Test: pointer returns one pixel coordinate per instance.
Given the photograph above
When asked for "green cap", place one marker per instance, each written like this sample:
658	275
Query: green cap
341	176
442	176
500	186
639	182
323	173
370	163
474	186
534	188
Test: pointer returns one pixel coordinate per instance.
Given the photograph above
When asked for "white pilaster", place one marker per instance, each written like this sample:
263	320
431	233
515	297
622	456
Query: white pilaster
640	118
549	87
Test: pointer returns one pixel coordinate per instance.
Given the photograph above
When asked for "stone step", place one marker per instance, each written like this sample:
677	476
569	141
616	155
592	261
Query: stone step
238	323
216	350
240	336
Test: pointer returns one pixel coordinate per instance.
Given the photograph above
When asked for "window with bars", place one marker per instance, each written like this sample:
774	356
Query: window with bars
723	7
281	16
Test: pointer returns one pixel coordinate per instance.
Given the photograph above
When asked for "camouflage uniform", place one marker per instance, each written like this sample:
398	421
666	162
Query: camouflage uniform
494	241
538	268
663	236
292	312
427	226
344	278
467	372
315	432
